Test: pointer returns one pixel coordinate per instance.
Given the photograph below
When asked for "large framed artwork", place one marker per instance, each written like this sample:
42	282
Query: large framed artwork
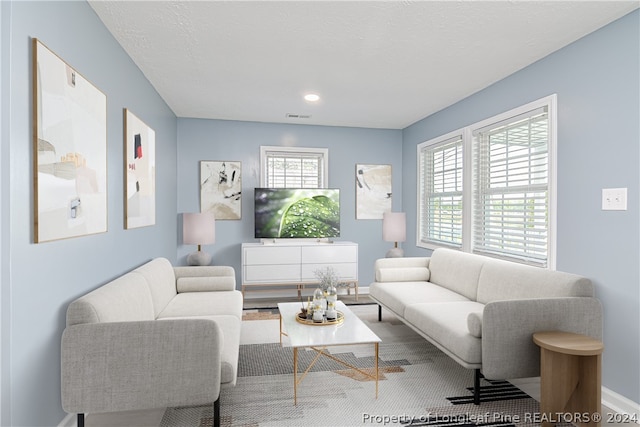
140	172
373	191
70	150
221	189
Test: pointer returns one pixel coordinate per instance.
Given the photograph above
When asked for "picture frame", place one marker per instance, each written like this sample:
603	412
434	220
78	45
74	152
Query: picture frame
221	189
140	172
373	190
70	150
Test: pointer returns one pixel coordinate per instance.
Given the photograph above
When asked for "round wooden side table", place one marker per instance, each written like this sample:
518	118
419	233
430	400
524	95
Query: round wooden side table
570	378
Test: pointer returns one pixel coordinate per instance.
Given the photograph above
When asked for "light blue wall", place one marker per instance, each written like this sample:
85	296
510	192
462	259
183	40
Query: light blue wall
44	278
240	141
597	80
5	13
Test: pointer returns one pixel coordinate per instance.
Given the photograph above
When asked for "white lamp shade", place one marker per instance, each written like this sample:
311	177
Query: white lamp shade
394	226
198	228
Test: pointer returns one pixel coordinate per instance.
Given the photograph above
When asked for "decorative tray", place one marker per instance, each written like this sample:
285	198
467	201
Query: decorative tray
324	322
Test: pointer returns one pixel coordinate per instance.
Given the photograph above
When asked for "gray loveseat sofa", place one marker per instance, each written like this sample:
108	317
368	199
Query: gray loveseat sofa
481	311
158	336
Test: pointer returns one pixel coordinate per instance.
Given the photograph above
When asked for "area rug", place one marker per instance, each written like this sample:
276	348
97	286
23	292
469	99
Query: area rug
419	386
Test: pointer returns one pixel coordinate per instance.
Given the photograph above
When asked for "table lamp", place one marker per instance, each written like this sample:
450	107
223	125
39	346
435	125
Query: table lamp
198	229
394	229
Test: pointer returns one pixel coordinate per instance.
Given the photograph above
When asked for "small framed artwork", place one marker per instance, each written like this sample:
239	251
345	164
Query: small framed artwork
373	191
221	189
140	172
70	150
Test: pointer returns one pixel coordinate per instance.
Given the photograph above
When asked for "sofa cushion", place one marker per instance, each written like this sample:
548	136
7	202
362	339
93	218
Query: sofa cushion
407	262
446	324
406	274
205	284
161	281
230	326
455	270
126	298
193	304
504	280
205	278
398	295
474	323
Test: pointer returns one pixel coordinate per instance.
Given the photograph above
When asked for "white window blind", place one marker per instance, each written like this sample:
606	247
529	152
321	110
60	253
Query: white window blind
511	188
490	187
441	176
293	168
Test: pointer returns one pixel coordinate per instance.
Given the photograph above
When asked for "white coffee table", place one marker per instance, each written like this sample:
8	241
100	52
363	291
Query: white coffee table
318	337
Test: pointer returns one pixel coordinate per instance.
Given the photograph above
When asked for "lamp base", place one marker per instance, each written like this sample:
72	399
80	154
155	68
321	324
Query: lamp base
199	258
395	253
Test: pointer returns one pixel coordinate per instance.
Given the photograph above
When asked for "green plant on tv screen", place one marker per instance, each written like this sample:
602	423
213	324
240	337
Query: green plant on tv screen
297	213
316	216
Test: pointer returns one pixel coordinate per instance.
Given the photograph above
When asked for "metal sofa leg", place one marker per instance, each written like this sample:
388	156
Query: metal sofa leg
476	387
379	313
80	420
216	413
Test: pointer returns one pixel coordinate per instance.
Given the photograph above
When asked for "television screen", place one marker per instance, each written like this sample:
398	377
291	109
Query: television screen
297	213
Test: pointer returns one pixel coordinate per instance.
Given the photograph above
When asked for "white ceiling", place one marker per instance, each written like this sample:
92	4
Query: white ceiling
377	64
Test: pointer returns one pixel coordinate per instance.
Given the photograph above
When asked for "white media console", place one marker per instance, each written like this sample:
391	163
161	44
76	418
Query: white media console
270	265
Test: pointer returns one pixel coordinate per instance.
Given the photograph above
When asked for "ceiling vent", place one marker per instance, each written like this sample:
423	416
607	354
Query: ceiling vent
297	116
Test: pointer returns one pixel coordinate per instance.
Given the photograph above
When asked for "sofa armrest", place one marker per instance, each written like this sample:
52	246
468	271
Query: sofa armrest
410	269
508	350
205	279
124	366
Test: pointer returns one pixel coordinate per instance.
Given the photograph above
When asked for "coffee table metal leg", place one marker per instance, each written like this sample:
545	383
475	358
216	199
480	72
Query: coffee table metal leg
321	352
295	375
376	357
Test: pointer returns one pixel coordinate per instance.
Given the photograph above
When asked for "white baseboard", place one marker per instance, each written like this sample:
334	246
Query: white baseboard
71	420
620	405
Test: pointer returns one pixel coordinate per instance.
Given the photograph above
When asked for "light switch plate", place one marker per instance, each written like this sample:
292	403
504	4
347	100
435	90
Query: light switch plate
614	199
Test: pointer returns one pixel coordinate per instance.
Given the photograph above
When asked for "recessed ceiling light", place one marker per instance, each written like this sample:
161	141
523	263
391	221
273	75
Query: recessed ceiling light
312	97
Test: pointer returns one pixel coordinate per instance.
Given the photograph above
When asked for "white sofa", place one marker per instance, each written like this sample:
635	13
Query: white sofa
158	336
481	311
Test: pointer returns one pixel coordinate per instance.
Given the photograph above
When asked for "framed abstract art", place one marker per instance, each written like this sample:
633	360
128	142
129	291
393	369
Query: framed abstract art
140	172
221	189
70	150
373	191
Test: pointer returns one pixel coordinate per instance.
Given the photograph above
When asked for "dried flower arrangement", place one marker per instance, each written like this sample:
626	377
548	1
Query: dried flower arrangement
326	278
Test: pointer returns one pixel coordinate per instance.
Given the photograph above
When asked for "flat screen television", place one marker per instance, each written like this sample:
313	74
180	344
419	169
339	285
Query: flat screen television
286	213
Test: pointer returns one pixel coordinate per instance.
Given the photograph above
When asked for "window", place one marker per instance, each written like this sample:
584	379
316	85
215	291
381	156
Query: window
511	188
490	188
286	167
441	167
